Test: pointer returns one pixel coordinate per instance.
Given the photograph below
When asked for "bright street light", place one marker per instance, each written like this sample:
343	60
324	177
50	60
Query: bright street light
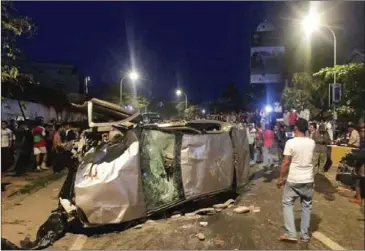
203	111
179	93
133	75
311	23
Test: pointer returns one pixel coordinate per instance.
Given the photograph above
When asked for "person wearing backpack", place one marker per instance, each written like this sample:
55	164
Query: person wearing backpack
322	139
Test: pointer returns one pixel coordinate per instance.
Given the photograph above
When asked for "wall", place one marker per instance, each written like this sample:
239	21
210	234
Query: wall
10	110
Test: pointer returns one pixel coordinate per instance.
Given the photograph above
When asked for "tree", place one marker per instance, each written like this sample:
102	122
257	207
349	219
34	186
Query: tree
230	99
306	92
181	106
112	96
13	27
192	112
352	76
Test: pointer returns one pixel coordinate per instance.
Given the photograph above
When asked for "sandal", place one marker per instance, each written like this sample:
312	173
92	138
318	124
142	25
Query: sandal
285	237
355	201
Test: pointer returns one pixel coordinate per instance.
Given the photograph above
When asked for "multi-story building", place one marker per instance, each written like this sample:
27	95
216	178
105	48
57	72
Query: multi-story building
61	77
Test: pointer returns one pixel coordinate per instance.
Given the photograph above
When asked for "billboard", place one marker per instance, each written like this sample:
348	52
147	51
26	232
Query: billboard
267	58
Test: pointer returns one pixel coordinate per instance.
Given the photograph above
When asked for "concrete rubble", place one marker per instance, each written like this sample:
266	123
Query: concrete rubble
241	210
201	236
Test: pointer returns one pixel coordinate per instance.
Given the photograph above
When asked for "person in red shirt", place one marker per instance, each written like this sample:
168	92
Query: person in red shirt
39	145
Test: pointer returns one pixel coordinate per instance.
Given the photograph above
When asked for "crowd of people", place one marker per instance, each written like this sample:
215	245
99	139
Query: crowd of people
36	146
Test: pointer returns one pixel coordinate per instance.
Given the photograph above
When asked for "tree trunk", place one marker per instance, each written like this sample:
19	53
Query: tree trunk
21	108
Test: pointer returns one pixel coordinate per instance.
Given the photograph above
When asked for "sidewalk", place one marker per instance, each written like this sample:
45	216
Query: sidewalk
12	186
26	216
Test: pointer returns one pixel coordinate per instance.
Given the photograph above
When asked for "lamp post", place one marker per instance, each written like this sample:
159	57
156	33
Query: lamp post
311	24
132	76
86	81
179	93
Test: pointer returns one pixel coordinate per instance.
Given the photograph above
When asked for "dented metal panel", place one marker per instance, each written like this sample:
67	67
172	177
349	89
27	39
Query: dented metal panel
241	155
206	163
108	185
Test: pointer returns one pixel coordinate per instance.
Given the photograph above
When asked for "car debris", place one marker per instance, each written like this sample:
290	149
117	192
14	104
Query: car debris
205	211
139	226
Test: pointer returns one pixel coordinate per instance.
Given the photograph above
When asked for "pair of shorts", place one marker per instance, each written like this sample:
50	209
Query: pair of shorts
40	150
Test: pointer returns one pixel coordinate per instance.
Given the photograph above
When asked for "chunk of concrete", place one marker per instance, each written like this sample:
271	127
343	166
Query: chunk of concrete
203	223
201	236
241	210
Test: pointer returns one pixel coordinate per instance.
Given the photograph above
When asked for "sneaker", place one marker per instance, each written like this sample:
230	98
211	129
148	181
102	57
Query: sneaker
44	166
304	240
39	168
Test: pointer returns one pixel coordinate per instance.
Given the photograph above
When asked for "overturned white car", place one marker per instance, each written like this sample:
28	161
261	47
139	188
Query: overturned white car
152	167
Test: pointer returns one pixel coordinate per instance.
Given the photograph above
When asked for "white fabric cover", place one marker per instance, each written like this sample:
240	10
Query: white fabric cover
114	194
206	163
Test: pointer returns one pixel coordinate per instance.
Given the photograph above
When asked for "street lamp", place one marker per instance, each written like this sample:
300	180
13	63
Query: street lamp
132	76
311	23
179	93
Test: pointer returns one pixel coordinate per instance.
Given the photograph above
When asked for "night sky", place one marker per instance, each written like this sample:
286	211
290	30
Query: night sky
199	46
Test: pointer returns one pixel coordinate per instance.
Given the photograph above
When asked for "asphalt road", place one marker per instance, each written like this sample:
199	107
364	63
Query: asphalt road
335	223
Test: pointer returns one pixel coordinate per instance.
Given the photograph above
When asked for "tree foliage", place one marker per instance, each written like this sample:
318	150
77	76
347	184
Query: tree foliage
192	112
13	26
230	99
311	92
352	76
306	92
137	101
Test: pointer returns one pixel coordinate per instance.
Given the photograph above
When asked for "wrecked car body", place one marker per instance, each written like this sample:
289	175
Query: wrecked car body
156	166
150	167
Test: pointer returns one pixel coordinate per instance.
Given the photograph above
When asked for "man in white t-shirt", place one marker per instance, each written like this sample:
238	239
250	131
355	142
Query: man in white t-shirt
7	140
297	163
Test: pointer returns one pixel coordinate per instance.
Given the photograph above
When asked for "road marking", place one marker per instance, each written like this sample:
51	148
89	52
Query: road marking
79	242
327	241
